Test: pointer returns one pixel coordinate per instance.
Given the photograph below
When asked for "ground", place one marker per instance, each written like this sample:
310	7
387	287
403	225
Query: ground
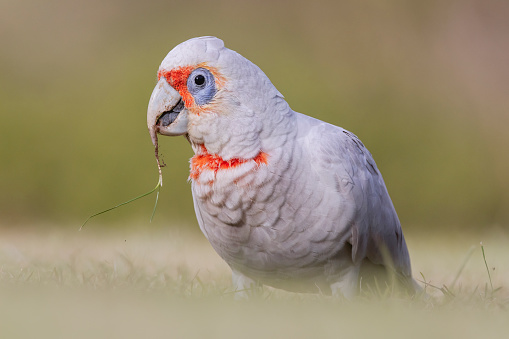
154	283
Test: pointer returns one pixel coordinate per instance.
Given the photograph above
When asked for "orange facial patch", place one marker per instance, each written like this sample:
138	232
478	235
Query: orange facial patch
177	78
206	161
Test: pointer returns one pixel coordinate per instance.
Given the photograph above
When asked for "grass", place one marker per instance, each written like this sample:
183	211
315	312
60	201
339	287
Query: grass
170	284
399	74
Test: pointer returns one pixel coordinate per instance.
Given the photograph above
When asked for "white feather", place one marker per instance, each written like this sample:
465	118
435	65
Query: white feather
315	212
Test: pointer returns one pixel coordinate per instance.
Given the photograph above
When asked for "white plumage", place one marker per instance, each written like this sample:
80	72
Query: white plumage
285	199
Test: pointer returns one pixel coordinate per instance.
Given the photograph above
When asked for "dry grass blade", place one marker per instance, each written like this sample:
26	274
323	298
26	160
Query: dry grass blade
487	268
462	267
157	188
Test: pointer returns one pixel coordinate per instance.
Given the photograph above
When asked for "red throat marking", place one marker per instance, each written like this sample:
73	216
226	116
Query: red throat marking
213	162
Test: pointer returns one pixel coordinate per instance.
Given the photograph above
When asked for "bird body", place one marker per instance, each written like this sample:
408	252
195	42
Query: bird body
285	199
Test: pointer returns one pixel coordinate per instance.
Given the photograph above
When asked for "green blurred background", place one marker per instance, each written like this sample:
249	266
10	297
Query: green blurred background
424	84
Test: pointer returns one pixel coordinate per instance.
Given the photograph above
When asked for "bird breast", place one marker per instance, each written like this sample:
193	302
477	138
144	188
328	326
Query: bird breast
262	216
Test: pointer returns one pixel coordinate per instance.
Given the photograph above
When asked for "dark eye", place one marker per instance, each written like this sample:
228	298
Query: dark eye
199	80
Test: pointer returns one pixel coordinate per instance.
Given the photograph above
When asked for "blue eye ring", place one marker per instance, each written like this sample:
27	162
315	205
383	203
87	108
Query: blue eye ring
202	86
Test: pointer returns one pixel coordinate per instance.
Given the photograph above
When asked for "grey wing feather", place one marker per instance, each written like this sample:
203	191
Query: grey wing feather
341	158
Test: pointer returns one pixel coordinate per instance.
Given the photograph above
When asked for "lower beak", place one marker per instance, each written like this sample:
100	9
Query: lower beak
166	113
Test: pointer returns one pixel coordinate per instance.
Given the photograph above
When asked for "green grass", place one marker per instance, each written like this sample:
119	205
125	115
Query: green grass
77	76
76	79
170	284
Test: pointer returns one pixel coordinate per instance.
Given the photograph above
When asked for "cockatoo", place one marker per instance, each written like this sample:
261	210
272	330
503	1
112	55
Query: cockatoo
286	200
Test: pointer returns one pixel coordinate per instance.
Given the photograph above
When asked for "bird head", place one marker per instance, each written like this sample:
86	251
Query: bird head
220	100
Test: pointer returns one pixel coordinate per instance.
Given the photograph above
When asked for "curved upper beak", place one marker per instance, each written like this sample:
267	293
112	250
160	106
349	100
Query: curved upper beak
166	113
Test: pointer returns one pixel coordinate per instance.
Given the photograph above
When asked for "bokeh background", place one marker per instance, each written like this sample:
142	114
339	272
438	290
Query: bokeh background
424	84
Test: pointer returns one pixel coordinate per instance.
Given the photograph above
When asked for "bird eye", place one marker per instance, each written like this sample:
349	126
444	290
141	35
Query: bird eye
199	80
201	85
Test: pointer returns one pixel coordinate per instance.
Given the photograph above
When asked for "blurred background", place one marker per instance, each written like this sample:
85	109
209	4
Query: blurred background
425	85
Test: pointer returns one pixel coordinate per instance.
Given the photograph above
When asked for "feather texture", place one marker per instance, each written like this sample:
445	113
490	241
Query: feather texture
285	199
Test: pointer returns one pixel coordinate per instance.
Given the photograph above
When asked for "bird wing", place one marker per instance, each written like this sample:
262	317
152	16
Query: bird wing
342	162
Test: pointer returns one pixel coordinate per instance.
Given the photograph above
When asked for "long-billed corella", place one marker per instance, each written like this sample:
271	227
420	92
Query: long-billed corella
285	199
